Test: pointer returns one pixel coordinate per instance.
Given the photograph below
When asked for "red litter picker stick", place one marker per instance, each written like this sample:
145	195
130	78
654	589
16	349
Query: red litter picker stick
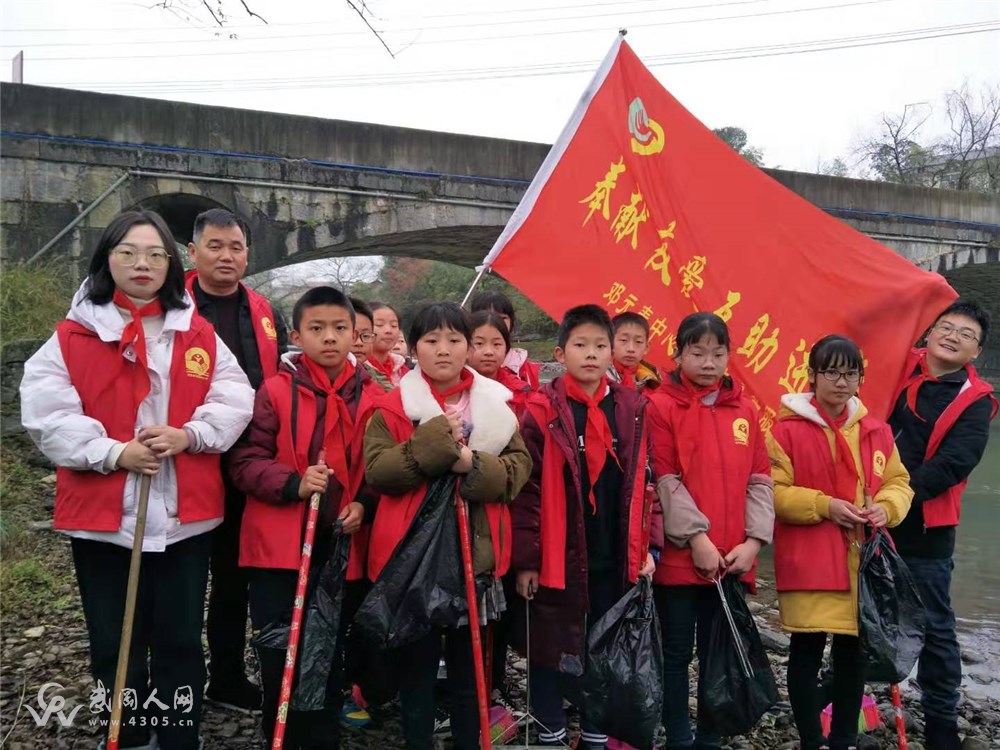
485	740
298	607
897	705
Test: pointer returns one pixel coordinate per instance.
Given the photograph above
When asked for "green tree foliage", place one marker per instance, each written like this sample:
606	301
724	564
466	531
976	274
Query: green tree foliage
737	139
405	283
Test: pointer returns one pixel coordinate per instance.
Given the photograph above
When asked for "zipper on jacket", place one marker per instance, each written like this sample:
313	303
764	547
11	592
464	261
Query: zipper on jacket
725	483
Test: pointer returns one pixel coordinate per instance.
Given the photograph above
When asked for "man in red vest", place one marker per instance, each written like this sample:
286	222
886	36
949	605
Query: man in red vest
257	336
941	421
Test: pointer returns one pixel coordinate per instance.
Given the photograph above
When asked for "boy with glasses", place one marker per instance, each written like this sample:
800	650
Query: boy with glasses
941	421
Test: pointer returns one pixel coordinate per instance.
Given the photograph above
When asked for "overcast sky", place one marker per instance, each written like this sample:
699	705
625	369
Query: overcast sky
515	69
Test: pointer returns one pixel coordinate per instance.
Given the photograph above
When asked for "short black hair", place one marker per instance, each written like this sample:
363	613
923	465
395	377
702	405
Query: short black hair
101	286
582	315
320	295
490	318
434	315
630	319
495	301
972	310
836	351
219	217
698	325
361	308
376	306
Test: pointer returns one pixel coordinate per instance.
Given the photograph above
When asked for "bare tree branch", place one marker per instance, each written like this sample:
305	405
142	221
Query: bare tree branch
378	36
212	12
251	13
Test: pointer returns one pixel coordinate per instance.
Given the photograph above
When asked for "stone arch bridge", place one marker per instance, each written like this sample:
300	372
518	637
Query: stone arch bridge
311	188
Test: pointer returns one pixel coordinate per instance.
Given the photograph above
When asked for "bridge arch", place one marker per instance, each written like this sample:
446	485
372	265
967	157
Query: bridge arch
178	211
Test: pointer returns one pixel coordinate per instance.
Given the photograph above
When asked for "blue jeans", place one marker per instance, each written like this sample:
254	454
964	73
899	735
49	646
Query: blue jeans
939	670
685	611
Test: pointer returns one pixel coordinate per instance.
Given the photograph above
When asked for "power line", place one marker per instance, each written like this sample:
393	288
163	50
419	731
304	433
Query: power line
541	70
478	13
327	35
257	51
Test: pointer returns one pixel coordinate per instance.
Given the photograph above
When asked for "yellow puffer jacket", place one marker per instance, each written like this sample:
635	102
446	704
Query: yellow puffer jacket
829	611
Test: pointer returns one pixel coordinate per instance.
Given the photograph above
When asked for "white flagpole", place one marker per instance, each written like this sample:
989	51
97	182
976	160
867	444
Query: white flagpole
548	166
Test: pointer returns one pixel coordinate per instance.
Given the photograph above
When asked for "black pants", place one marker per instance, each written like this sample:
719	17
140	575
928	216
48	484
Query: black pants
939	670
548	685
227	602
501	634
418	668
806	696
686	615
166	666
271	596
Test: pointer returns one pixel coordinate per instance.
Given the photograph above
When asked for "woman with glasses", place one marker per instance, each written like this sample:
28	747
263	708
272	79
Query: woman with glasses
134	384
835	470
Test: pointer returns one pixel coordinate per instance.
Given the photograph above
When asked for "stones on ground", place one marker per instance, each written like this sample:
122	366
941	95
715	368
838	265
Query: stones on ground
774	641
970	656
974	743
36	632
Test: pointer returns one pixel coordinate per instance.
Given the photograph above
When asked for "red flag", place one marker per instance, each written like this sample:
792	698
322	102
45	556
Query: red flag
640	207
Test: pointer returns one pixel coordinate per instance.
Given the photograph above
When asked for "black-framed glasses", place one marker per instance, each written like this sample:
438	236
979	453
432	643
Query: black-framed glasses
850	376
366	338
128	256
966	334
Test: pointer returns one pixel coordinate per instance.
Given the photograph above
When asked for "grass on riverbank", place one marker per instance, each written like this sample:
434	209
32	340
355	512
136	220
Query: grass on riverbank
32	576
32	300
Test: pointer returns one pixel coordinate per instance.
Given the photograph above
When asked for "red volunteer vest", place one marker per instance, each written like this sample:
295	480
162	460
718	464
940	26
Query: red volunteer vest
271	535
91	501
554	497
396	512
264	331
946	508
718	449
814	557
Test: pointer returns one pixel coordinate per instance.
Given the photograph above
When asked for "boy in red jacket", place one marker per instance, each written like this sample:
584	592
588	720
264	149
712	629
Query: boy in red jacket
582	523
308	407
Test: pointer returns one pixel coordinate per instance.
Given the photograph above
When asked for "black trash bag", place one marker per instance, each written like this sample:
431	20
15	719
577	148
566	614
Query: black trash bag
318	641
891	614
422	585
736	686
621	691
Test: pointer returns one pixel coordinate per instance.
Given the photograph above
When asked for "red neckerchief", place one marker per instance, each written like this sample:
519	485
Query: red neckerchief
845	470
627	374
337	421
134	334
386	368
690	422
912	385
464	383
597	438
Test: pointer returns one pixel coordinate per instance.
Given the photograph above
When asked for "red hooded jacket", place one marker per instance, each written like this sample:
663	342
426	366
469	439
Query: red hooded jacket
718	454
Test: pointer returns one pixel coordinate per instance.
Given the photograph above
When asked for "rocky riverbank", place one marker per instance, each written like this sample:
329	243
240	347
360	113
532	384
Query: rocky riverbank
44	640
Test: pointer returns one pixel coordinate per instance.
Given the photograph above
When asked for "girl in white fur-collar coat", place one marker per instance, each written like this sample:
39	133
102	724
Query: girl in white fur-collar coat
444	417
